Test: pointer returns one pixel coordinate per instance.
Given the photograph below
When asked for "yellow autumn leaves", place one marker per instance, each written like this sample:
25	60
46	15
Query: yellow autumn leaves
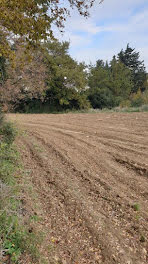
31	20
21	18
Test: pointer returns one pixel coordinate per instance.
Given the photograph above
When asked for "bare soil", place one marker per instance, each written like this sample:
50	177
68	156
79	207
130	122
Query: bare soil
90	172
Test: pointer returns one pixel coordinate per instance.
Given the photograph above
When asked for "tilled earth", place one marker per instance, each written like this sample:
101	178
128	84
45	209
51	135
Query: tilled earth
91	175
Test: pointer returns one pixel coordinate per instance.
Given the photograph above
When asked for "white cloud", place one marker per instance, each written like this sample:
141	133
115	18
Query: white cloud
115	8
77	40
89	25
144	55
111	26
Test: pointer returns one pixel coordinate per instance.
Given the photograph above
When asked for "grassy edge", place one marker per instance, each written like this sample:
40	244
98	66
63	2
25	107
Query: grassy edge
143	108
16	238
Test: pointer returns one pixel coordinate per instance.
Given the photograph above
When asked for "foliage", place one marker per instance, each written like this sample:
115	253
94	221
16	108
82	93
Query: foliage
130	58
101	98
53	81
121	79
22	71
8	132
32	20
3	74
99	93
145	96
122	82
125	103
137	99
64	83
66	78
15	237
109	84
26	80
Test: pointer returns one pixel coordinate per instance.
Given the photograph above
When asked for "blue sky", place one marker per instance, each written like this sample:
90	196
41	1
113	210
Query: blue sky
110	27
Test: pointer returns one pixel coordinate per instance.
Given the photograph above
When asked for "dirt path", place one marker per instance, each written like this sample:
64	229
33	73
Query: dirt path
91	174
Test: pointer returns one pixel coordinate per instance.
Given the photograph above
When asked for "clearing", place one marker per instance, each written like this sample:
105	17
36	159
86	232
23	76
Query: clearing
90	172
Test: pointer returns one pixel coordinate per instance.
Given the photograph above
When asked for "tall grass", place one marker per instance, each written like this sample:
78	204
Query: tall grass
15	238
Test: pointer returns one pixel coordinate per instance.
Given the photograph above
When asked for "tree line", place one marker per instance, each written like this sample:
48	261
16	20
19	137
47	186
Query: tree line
121	82
24	26
51	80
38	74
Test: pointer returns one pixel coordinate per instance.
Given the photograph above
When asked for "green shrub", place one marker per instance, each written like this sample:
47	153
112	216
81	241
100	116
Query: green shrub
137	99
8	161
144	108
7	132
125	103
102	98
145	97
17	239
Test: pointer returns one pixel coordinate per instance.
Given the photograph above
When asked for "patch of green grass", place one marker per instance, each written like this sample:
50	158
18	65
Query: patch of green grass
137	217
142	239
136	207
143	108
16	238
9	162
37	147
35	218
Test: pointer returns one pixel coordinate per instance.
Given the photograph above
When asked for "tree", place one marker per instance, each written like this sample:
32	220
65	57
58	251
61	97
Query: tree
32	19
110	84
121	80
52	79
100	94
24	81
100	63
66	79
130	58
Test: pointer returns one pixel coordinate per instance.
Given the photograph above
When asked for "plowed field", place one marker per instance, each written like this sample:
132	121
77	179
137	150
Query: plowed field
91	175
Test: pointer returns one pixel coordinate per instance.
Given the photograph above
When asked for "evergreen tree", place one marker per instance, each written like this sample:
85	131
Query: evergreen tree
100	63
100	94
107	66
121	80
130	58
109	84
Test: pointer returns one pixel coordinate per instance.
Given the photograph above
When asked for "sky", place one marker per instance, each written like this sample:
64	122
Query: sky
109	28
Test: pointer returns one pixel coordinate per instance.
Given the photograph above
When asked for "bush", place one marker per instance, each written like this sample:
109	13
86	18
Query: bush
145	97
7	132
125	103
102	98
144	108
137	99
